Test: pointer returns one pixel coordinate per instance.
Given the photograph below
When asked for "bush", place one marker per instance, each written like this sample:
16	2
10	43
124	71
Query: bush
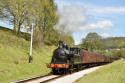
119	53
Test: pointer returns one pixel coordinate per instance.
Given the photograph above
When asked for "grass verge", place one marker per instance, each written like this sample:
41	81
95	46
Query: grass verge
14	58
111	73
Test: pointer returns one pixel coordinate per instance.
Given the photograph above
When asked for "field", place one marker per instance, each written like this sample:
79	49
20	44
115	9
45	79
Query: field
14	58
111	73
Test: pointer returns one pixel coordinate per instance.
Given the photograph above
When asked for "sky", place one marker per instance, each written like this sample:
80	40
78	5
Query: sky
106	17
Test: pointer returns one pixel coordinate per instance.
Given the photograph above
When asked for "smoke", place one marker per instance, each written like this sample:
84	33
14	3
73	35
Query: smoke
71	18
74	19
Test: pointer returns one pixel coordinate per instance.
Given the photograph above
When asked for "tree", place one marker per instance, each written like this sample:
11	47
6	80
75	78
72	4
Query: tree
52	38
92	42
48	20
14	11
22	13
67	38
50	17
44	12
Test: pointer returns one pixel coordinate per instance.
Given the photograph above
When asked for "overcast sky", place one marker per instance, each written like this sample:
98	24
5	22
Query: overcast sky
106	17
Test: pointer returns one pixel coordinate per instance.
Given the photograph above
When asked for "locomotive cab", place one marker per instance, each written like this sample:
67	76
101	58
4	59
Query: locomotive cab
76	53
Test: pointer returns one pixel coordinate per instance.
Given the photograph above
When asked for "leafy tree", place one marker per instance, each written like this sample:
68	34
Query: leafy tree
52	38
92	42
55	36
44	13
67	38
14	11
50	17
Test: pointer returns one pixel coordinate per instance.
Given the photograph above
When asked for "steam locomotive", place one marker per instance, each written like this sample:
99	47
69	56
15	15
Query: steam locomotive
66	59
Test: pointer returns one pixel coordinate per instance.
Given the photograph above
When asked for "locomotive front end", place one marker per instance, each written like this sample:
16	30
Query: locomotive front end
60	58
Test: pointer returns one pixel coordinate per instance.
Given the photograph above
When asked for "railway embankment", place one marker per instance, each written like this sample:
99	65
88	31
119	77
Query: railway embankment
14	58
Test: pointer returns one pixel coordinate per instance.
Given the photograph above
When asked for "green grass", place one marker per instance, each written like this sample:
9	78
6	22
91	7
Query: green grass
14	58
112	73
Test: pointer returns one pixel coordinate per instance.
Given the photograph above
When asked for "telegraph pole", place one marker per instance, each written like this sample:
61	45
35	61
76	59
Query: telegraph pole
31	44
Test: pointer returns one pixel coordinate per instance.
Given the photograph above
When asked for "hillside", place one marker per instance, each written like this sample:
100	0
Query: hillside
114	42
111	73
14	58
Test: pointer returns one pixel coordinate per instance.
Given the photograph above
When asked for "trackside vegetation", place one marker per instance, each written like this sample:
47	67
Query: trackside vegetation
14	58
111	73
112	46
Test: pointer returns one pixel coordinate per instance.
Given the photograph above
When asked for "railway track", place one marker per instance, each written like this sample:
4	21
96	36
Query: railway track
45	79
39	79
